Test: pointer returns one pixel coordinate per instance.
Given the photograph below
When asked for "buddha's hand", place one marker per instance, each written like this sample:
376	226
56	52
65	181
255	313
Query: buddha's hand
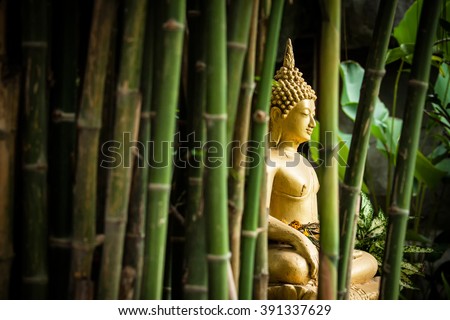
307	250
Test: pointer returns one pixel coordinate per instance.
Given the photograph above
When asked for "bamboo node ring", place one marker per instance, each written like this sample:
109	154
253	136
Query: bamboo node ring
219	257
249	233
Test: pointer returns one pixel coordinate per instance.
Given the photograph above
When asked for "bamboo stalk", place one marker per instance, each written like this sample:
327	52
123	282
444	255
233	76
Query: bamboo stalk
62	137
216	173
261	277
134	241
196	285
408	146
126	127
236	176
34	150
328	200
9	105
237	34
89	124
263	21
259	131
161	163
360	141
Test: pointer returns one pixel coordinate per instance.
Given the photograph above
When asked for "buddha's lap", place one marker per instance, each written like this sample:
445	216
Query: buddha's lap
287	266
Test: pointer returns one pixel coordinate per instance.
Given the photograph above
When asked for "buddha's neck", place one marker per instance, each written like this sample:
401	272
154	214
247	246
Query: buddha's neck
288	147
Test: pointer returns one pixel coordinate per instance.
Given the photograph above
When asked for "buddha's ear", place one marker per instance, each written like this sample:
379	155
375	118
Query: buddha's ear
275	125
275	114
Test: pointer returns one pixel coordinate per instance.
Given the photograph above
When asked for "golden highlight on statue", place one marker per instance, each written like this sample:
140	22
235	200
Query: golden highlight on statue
292	187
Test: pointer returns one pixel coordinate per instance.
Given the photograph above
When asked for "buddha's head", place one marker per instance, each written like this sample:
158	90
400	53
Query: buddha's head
292	107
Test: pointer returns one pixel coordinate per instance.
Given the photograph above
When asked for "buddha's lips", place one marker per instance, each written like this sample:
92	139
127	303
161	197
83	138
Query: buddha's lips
309	131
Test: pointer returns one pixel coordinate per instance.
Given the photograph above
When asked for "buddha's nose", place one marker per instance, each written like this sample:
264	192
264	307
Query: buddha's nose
312	122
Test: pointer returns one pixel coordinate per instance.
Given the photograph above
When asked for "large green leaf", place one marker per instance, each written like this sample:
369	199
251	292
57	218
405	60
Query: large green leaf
426	172
352	75
406	30
442	85
444	166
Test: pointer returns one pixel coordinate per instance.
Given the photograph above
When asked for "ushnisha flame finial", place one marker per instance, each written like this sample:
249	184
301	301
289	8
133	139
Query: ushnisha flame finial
289	61
290	88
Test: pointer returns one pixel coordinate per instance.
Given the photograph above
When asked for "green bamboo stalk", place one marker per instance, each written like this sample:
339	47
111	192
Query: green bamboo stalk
328	117
237	38
216	172
134	239
360	141
408	146
34	150
9	105
196	285
261	277
89	124
126	127
236	176
264	12
166	97
63	134
168	264
259	131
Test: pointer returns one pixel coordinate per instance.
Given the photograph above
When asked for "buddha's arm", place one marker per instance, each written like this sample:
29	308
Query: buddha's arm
280	231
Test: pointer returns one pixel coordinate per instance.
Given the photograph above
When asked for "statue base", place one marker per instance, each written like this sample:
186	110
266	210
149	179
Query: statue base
365	291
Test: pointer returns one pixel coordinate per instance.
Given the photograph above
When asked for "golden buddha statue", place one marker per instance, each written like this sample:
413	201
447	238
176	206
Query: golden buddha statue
292	187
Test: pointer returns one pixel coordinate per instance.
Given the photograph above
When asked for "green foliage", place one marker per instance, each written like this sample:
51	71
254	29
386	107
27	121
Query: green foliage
384	128
439	111
370	237
446	285
343	147
406	31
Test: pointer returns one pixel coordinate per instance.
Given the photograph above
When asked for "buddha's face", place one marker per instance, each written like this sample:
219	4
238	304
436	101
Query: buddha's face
298	126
